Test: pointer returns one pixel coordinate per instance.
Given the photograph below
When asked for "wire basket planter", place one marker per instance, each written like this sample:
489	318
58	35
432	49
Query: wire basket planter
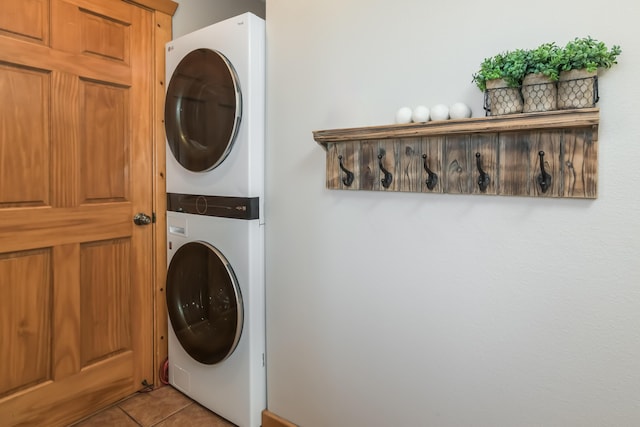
561	95
578	93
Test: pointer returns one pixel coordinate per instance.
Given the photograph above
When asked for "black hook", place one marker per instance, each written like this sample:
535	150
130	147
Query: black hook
388	178
432	179
348	179
483	178
544	179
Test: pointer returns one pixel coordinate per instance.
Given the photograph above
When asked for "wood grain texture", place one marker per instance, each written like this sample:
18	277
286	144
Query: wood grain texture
432	146
25	330
495	124
65	140
164	7
409	175
458	165
20	52
28	19
487	146
89	113
161	35
509	149
103	36
369	170
580	164
550	144
336	177
104	149
99	385
515	164
390	152
25	142
23	229
139	176
269	419
105	299
66	310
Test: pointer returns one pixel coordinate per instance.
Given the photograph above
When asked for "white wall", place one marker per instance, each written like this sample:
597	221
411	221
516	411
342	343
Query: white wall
192	15
390	309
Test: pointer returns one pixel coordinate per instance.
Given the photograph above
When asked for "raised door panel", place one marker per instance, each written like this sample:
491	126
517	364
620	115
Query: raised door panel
105	299
28	19
105	139
101	30
103	36
25	313
25	142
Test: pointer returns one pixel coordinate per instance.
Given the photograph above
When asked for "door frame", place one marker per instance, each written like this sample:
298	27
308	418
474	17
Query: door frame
163	11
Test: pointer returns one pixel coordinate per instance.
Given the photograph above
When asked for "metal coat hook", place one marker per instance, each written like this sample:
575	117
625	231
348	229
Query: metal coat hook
388	177
544	179
348	178
483	178
432	179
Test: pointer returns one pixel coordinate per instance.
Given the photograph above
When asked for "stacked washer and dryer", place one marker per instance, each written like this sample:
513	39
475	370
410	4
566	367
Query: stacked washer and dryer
214	120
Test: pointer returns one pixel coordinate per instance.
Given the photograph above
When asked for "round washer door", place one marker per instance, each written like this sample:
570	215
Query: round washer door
203	110
204	302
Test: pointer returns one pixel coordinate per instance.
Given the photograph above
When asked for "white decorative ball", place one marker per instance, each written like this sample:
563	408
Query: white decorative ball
420	114
403	115
459	110
439	112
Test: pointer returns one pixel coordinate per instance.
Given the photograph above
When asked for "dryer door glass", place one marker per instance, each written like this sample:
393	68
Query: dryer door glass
204	302
203	109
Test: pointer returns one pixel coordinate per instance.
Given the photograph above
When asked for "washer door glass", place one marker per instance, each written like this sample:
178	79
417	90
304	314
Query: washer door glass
204	302
202	110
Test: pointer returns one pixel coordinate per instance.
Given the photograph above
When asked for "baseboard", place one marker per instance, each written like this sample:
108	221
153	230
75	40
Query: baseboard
269	419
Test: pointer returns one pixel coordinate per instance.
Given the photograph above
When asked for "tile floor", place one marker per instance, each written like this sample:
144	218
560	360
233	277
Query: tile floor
162	407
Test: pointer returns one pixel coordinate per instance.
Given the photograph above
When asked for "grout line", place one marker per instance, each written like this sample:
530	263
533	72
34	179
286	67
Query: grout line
172	414
127	414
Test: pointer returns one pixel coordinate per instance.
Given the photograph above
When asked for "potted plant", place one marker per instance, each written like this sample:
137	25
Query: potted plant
500	77
578	63
539	92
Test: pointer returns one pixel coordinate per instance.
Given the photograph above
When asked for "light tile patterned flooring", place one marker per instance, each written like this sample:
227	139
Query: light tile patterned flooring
163	407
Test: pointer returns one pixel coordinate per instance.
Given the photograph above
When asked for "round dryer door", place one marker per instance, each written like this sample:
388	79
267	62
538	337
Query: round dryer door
204	302
203	109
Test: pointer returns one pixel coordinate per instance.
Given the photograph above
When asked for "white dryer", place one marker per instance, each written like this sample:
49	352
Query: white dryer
215	109
216	304
214	121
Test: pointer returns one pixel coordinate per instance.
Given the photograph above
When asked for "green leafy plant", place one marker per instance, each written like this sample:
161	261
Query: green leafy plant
545	60
510	66
587	53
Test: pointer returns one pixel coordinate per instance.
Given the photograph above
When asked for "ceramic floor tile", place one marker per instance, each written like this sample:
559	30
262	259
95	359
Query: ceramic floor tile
112	417
195	415
150	408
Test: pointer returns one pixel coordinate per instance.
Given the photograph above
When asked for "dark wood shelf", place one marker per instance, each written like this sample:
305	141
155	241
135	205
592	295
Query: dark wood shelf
512	150
493	124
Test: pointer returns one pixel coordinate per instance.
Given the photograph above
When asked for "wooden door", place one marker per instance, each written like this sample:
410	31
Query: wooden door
76	313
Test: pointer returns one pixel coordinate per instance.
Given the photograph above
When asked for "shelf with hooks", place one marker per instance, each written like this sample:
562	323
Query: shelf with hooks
550	154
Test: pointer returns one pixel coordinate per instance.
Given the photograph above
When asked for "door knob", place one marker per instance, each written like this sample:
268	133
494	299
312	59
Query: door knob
141	219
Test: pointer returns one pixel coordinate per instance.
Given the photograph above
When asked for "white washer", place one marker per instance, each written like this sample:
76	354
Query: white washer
216	303
214	121
215	108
